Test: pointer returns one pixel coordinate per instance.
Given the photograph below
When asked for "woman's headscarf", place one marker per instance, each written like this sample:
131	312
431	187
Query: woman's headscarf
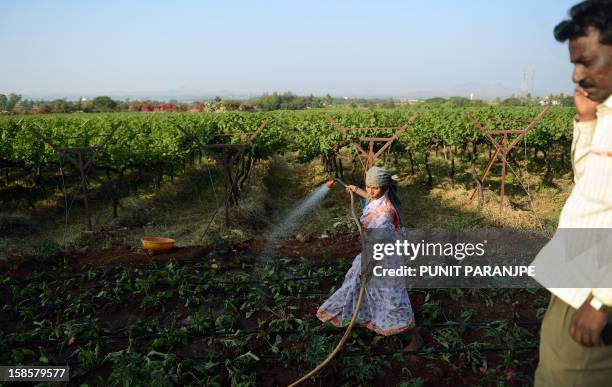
379	177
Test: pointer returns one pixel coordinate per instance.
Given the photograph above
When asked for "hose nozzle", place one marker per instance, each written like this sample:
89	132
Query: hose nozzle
330	183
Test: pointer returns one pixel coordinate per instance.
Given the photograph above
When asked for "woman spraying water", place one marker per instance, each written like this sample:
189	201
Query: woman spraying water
386	311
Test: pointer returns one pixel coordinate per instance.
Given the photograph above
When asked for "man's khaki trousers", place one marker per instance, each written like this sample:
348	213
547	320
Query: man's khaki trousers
563	362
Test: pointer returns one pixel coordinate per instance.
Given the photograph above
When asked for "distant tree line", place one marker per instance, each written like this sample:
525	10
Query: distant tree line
454	102
8	103
14	104
529	100
290	101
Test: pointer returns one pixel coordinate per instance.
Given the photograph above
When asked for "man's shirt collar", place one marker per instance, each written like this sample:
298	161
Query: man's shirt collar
608	102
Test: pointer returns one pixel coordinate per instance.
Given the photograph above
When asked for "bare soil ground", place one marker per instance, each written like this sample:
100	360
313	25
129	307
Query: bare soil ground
183	210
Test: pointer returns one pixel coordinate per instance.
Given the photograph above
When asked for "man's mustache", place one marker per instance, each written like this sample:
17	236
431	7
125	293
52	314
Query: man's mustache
585	85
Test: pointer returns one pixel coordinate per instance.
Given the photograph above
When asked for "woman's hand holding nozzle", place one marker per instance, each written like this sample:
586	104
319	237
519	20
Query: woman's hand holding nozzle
351	188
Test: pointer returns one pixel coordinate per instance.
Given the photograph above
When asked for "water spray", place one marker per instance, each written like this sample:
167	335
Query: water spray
292	219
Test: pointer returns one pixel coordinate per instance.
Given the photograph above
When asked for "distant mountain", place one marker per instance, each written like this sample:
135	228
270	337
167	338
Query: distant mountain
185	94
482	90
178	94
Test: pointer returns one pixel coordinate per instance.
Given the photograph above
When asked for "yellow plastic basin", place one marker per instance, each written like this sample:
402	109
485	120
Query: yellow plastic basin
157	243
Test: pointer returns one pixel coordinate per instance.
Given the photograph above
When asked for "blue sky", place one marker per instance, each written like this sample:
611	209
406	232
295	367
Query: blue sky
384	48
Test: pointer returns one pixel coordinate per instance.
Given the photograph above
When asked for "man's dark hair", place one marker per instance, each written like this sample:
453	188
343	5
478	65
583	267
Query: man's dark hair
589	13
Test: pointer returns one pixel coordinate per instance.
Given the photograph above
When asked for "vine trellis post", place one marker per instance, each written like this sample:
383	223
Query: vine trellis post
82	163
231	153
370	156
502	149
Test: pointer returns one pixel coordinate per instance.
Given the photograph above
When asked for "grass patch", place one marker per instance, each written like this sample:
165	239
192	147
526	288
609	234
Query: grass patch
190	209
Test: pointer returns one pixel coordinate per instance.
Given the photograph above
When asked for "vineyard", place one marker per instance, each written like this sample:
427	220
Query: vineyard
153	142
212	311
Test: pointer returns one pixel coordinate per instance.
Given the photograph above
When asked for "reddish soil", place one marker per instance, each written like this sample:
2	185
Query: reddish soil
346	246
316	249
23	266
433	371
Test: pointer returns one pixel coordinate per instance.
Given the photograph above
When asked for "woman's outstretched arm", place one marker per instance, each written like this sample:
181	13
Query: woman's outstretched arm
357	190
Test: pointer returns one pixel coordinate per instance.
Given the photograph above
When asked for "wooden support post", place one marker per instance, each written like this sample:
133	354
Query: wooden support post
81	163
230	154
85	190
370	156
502	149
503	173
226	186
486	171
